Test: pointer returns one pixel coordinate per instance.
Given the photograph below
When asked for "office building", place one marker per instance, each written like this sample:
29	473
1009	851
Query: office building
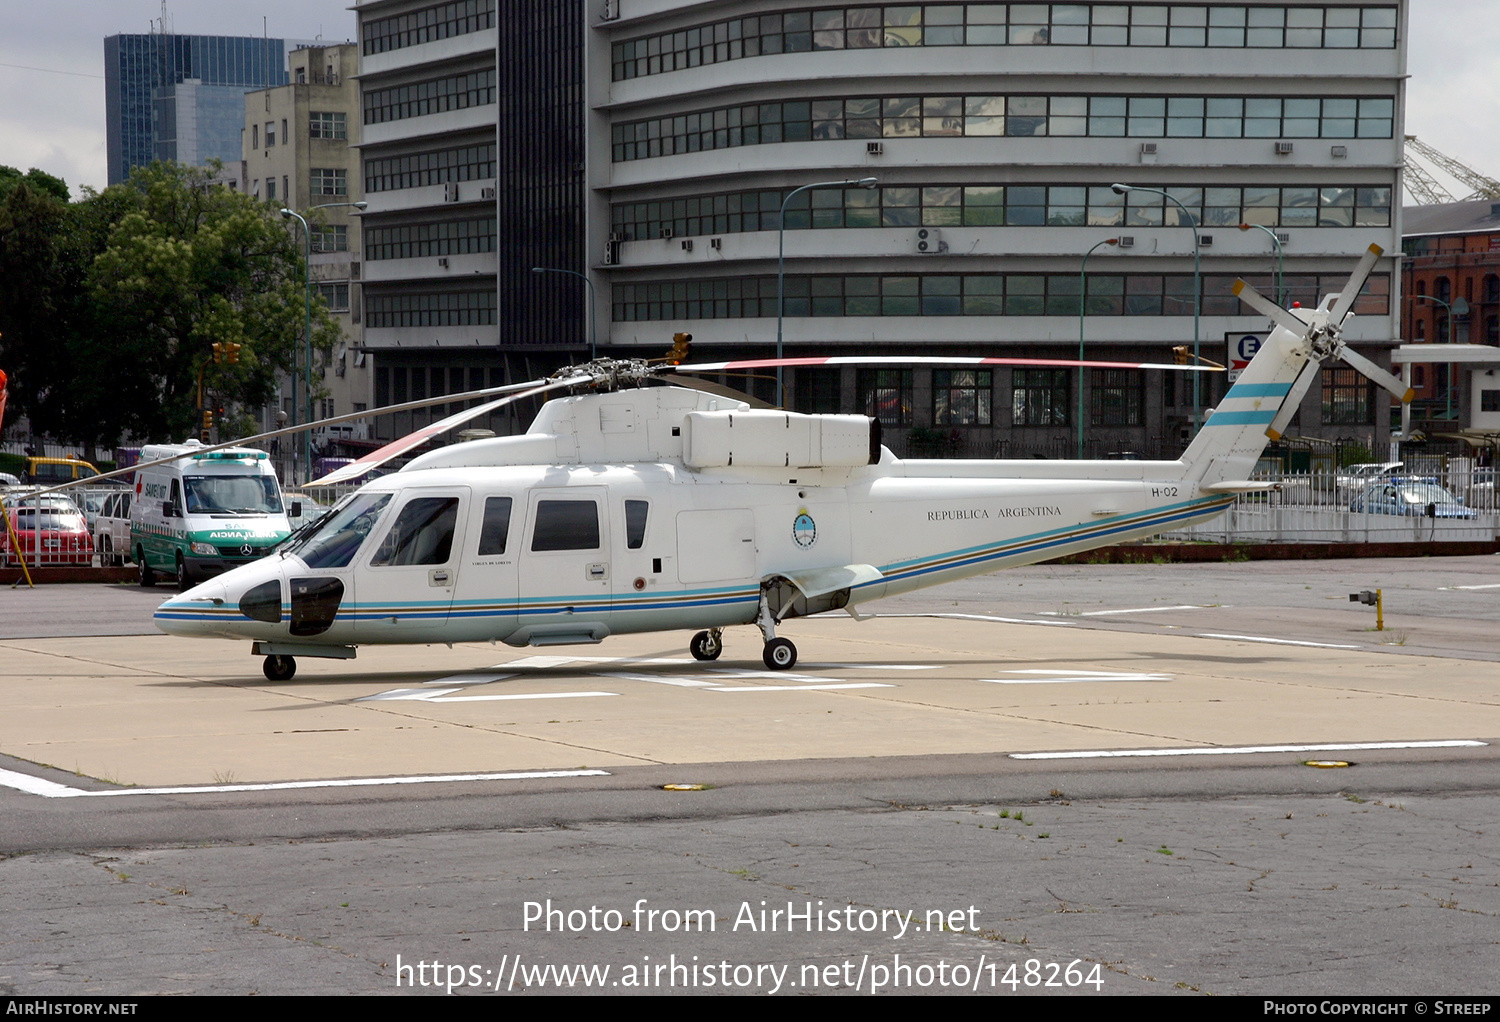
299	153
650	146
181	97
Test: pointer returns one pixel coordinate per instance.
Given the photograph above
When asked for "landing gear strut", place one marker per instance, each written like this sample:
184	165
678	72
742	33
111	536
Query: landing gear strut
707	645
280	668
779	654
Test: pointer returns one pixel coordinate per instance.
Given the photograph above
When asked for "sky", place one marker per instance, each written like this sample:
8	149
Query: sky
52	72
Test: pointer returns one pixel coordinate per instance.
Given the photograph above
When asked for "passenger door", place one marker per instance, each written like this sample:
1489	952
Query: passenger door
409	578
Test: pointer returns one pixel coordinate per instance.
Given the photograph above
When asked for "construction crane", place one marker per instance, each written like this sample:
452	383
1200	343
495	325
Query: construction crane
1427	191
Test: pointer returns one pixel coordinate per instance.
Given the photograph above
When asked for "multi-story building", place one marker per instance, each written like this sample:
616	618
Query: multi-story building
650	145
1451	295
298	147
429	115
181	97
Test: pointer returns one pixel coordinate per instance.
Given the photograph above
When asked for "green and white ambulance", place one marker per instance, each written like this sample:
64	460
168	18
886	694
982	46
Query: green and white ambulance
204	513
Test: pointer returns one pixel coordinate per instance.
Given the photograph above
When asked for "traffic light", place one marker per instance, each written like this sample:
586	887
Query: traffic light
218	352
232	352
1182	355
680	344
208	419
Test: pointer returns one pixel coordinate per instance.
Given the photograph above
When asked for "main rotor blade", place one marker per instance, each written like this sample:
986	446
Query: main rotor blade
1350	294
907	360
414	439
1394	384
1263	305
1293	399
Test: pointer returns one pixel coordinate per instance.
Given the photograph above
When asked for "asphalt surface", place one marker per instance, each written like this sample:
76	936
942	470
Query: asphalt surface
891	824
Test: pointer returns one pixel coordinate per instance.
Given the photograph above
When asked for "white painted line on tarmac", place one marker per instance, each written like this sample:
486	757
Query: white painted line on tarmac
657	679
1132	610
1043	677
51	789
881	667
521	695
1279	642
1248	750
1492	585
982	617
469	679
543	660
798	688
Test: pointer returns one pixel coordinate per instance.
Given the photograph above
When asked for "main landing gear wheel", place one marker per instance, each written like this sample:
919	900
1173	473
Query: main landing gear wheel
280	668
780	654
706	645
146	576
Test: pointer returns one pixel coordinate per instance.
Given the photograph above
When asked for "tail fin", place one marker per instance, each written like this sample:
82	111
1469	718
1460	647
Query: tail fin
1230	443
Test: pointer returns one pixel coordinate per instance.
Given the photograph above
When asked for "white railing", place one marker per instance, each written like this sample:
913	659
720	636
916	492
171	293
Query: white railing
1314	508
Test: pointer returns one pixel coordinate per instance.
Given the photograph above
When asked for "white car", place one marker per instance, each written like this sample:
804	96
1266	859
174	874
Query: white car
112	530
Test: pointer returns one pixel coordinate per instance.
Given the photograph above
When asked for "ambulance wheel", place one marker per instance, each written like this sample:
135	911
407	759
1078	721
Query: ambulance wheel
280	668
183	582
706	646
780	654
146	576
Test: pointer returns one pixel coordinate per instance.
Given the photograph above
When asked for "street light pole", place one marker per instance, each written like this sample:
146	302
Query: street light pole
864	182
1120	189
1280	298
307	329
593	319
1083	297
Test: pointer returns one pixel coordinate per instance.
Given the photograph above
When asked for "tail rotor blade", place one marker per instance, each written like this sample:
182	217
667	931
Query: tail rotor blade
1263	305
1293	400
1351	290
1394	384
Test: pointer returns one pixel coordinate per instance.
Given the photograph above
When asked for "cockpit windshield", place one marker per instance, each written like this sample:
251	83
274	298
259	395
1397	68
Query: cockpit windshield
233	494
335	540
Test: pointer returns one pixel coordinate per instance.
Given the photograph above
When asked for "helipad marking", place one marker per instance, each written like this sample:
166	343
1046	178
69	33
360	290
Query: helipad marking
445	695
798	688
469	679
51	789
658	679
1132	610
1279	642
1046	677
986	617
1247	750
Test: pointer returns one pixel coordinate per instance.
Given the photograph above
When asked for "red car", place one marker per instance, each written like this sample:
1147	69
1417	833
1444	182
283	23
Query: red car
65	536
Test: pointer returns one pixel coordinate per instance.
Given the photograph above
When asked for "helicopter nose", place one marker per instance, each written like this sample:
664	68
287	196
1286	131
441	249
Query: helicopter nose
202	610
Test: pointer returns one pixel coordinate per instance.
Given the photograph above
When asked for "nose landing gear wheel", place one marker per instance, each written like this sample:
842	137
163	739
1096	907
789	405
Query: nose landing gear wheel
780	654
706	646
280	668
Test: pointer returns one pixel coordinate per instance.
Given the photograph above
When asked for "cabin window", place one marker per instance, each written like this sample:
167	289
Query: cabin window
635	523
566	525
496	526
422	534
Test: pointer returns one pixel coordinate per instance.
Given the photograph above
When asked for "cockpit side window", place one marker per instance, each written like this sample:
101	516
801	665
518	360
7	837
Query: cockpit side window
333	543
422	533
496	526
635	523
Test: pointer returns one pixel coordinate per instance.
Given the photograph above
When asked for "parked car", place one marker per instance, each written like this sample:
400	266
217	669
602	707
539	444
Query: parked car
1353	480
1397	496
111	529
64	538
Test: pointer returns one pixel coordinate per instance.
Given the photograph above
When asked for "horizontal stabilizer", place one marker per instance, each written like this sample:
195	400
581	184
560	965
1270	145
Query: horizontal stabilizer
1237	486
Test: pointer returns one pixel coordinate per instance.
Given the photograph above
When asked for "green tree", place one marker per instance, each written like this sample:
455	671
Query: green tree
110	306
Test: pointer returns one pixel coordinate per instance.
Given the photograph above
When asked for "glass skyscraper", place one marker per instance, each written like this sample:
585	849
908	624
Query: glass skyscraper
179	97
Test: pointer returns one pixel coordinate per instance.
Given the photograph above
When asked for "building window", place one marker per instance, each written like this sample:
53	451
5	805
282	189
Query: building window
886	394
335	296
1489	400
270	134
458	92
961	397
330	181
818	391
333	238
459	308
1491	289
455	237
833	118
469	163
327	125
255	136
270	189
442	21
1348	398
1039	397
1117	397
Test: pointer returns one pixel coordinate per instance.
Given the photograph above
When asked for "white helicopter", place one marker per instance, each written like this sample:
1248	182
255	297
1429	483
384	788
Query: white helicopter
633	507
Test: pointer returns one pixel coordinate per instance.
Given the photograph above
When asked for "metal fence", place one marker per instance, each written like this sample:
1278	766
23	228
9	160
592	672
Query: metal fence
1315	508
